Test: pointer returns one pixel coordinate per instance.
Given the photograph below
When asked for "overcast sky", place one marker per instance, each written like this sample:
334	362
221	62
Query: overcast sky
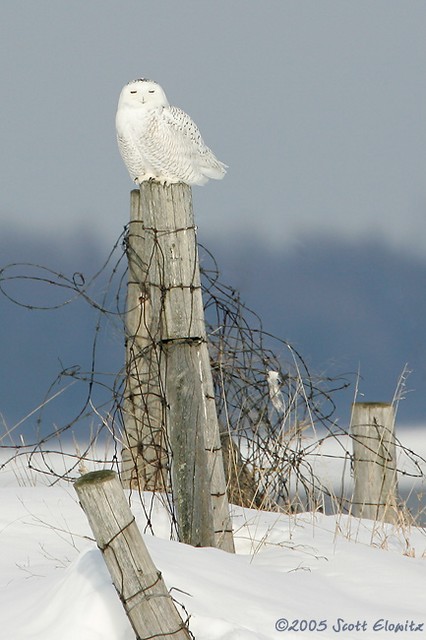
317	106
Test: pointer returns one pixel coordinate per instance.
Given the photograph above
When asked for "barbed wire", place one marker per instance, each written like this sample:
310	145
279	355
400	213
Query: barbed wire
276	417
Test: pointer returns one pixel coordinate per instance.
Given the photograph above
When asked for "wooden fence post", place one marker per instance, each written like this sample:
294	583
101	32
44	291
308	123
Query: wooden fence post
171	345
145	462
148	605
375	465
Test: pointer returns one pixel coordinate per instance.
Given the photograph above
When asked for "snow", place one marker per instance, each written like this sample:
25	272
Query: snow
337	574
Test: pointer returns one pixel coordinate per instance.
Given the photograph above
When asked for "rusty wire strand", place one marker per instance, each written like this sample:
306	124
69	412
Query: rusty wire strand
275	448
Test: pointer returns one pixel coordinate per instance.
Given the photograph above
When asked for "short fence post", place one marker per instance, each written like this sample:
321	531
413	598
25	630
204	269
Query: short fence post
146	600
374	461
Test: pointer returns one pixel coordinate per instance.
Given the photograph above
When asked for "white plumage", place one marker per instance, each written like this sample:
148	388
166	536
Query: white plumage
160	142
274	384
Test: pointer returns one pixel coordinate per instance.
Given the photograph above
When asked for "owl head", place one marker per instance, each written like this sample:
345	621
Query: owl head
142	92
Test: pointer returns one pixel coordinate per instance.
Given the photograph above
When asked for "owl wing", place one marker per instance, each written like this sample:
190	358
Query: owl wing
190	144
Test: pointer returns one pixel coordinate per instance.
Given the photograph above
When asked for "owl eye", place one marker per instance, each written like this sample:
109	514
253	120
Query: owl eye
133	92
151	90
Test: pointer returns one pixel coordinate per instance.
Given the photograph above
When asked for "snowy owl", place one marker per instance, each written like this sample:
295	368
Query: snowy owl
159	142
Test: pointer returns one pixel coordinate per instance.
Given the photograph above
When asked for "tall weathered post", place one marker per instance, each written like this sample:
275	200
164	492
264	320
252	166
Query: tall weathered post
171	394
145	460
375	466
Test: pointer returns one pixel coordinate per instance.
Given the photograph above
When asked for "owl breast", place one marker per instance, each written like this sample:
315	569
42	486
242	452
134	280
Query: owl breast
132	136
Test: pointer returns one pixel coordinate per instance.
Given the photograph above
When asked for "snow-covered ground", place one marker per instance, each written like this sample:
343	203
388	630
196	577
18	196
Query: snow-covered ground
293	576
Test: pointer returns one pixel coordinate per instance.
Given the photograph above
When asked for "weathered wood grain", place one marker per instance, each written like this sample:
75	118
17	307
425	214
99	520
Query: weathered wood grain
145	459
375	466
139	584
171	393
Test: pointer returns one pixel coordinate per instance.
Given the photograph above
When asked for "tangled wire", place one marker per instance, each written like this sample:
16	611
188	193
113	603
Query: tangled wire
276	417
